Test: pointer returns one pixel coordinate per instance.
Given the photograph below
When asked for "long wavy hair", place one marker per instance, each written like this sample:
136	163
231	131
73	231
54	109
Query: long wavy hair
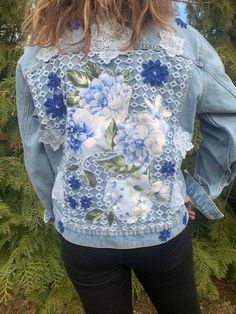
46	20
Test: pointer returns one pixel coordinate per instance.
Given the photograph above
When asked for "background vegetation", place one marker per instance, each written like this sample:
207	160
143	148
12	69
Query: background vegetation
30	264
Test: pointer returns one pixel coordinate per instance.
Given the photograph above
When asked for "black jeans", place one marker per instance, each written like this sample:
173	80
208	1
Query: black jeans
102	276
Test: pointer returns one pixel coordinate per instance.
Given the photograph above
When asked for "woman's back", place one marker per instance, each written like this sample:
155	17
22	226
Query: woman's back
116	125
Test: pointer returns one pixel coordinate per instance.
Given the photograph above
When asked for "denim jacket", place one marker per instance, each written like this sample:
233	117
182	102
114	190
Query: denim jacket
104	135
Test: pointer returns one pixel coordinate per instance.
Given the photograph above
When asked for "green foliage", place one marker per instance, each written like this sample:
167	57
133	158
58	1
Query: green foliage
30	263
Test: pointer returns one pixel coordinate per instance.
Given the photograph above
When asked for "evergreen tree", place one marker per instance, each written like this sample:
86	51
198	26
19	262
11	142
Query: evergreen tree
214	241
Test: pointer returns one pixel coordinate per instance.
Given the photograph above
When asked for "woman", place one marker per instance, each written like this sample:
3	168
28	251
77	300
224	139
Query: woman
107	95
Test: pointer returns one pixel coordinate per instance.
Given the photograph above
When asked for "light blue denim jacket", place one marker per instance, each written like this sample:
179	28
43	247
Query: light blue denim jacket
104	136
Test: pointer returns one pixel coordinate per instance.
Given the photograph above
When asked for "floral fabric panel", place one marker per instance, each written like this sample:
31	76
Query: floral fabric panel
123	145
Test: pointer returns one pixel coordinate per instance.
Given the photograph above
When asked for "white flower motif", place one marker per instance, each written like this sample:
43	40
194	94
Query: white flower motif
172	44
157	109
45	54
182	141
177	198
128	204
108	47
53	137
58	189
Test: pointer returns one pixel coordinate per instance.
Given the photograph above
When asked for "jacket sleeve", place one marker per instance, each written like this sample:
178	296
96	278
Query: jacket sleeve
215	166
36	161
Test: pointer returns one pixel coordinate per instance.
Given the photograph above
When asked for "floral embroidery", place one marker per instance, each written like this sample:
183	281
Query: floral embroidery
85	202
126	203
185	219
108	47
182	141
53	137
54	81
155	73
55	106
181	23
74	183
72	202
164	234
61	226
168	168
140	138
172	44
45	54
108	96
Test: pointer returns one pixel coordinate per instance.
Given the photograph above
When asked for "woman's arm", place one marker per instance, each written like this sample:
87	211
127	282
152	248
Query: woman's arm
36	160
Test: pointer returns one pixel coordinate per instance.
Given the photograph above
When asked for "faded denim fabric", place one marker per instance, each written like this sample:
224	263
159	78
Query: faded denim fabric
104	136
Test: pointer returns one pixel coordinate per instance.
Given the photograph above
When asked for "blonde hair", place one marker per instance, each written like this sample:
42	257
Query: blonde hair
46	20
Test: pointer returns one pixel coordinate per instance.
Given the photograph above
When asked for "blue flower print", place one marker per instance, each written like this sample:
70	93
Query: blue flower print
72	202
85	202
155	73
164	234
74	183
140	138
168	169
53	81
61	226
108	96
185	216
55	106
77	133
181	23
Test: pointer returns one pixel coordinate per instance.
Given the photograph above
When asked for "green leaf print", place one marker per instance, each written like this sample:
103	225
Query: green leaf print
110	133
110	218
73	168
90	178
138	188
78	79
126	76
95	215
73	99
117	164
92	70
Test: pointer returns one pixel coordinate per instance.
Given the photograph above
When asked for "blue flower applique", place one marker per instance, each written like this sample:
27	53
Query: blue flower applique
75	24
55	106
164	234
53	81
72	202
155	73
61	226
181	23
168	168
85	202
74	183
185	216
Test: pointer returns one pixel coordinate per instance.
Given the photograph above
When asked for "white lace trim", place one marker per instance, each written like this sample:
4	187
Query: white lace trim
108	47
177	199
172	44
45	54
182	141
53	137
